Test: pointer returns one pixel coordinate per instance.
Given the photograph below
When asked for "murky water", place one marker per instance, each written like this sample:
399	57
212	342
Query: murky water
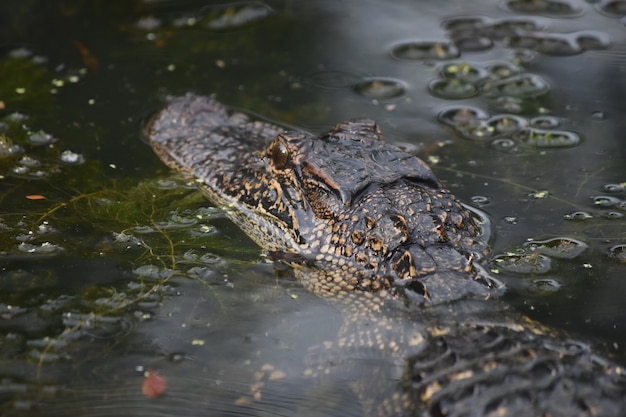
111	265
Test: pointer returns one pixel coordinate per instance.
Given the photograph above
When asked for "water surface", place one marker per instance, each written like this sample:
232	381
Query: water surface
111	265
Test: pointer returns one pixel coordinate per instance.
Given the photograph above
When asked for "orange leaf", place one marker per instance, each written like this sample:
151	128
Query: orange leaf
154	384
36	197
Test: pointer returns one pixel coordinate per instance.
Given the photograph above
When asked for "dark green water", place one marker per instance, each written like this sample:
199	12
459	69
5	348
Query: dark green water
111	265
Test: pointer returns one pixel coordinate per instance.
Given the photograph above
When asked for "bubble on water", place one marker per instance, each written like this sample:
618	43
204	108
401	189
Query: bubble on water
30	162
463	71
558	247
592	40
71	158
17	117
240	14
504	145
605	201
578	216
452	89
549	44
614	8
462	116
618	253
7	148
598	115
480	200
548	139
44	248
545	122
523	263
152	272
20	170
473	43
148	23
381	88
507	124
420	50
40	138
523	86
544	286
613	215
555	8
502	70
538	195
613	188
465	23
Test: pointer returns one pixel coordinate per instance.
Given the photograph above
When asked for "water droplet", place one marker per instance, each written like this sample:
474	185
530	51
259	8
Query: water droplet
558	247
578	215
381	88
419	50
618	253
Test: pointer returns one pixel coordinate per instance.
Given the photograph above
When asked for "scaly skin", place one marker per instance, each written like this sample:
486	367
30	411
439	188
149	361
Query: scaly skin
365	224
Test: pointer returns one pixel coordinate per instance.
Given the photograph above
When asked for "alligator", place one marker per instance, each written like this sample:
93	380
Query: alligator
369	226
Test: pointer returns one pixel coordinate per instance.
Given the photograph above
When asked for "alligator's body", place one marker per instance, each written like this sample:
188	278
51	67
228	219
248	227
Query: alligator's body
362	222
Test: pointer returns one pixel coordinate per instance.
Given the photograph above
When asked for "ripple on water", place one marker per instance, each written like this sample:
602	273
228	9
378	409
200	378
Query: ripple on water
381	88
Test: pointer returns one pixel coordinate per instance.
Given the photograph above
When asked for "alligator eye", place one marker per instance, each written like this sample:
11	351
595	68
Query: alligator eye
280	156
